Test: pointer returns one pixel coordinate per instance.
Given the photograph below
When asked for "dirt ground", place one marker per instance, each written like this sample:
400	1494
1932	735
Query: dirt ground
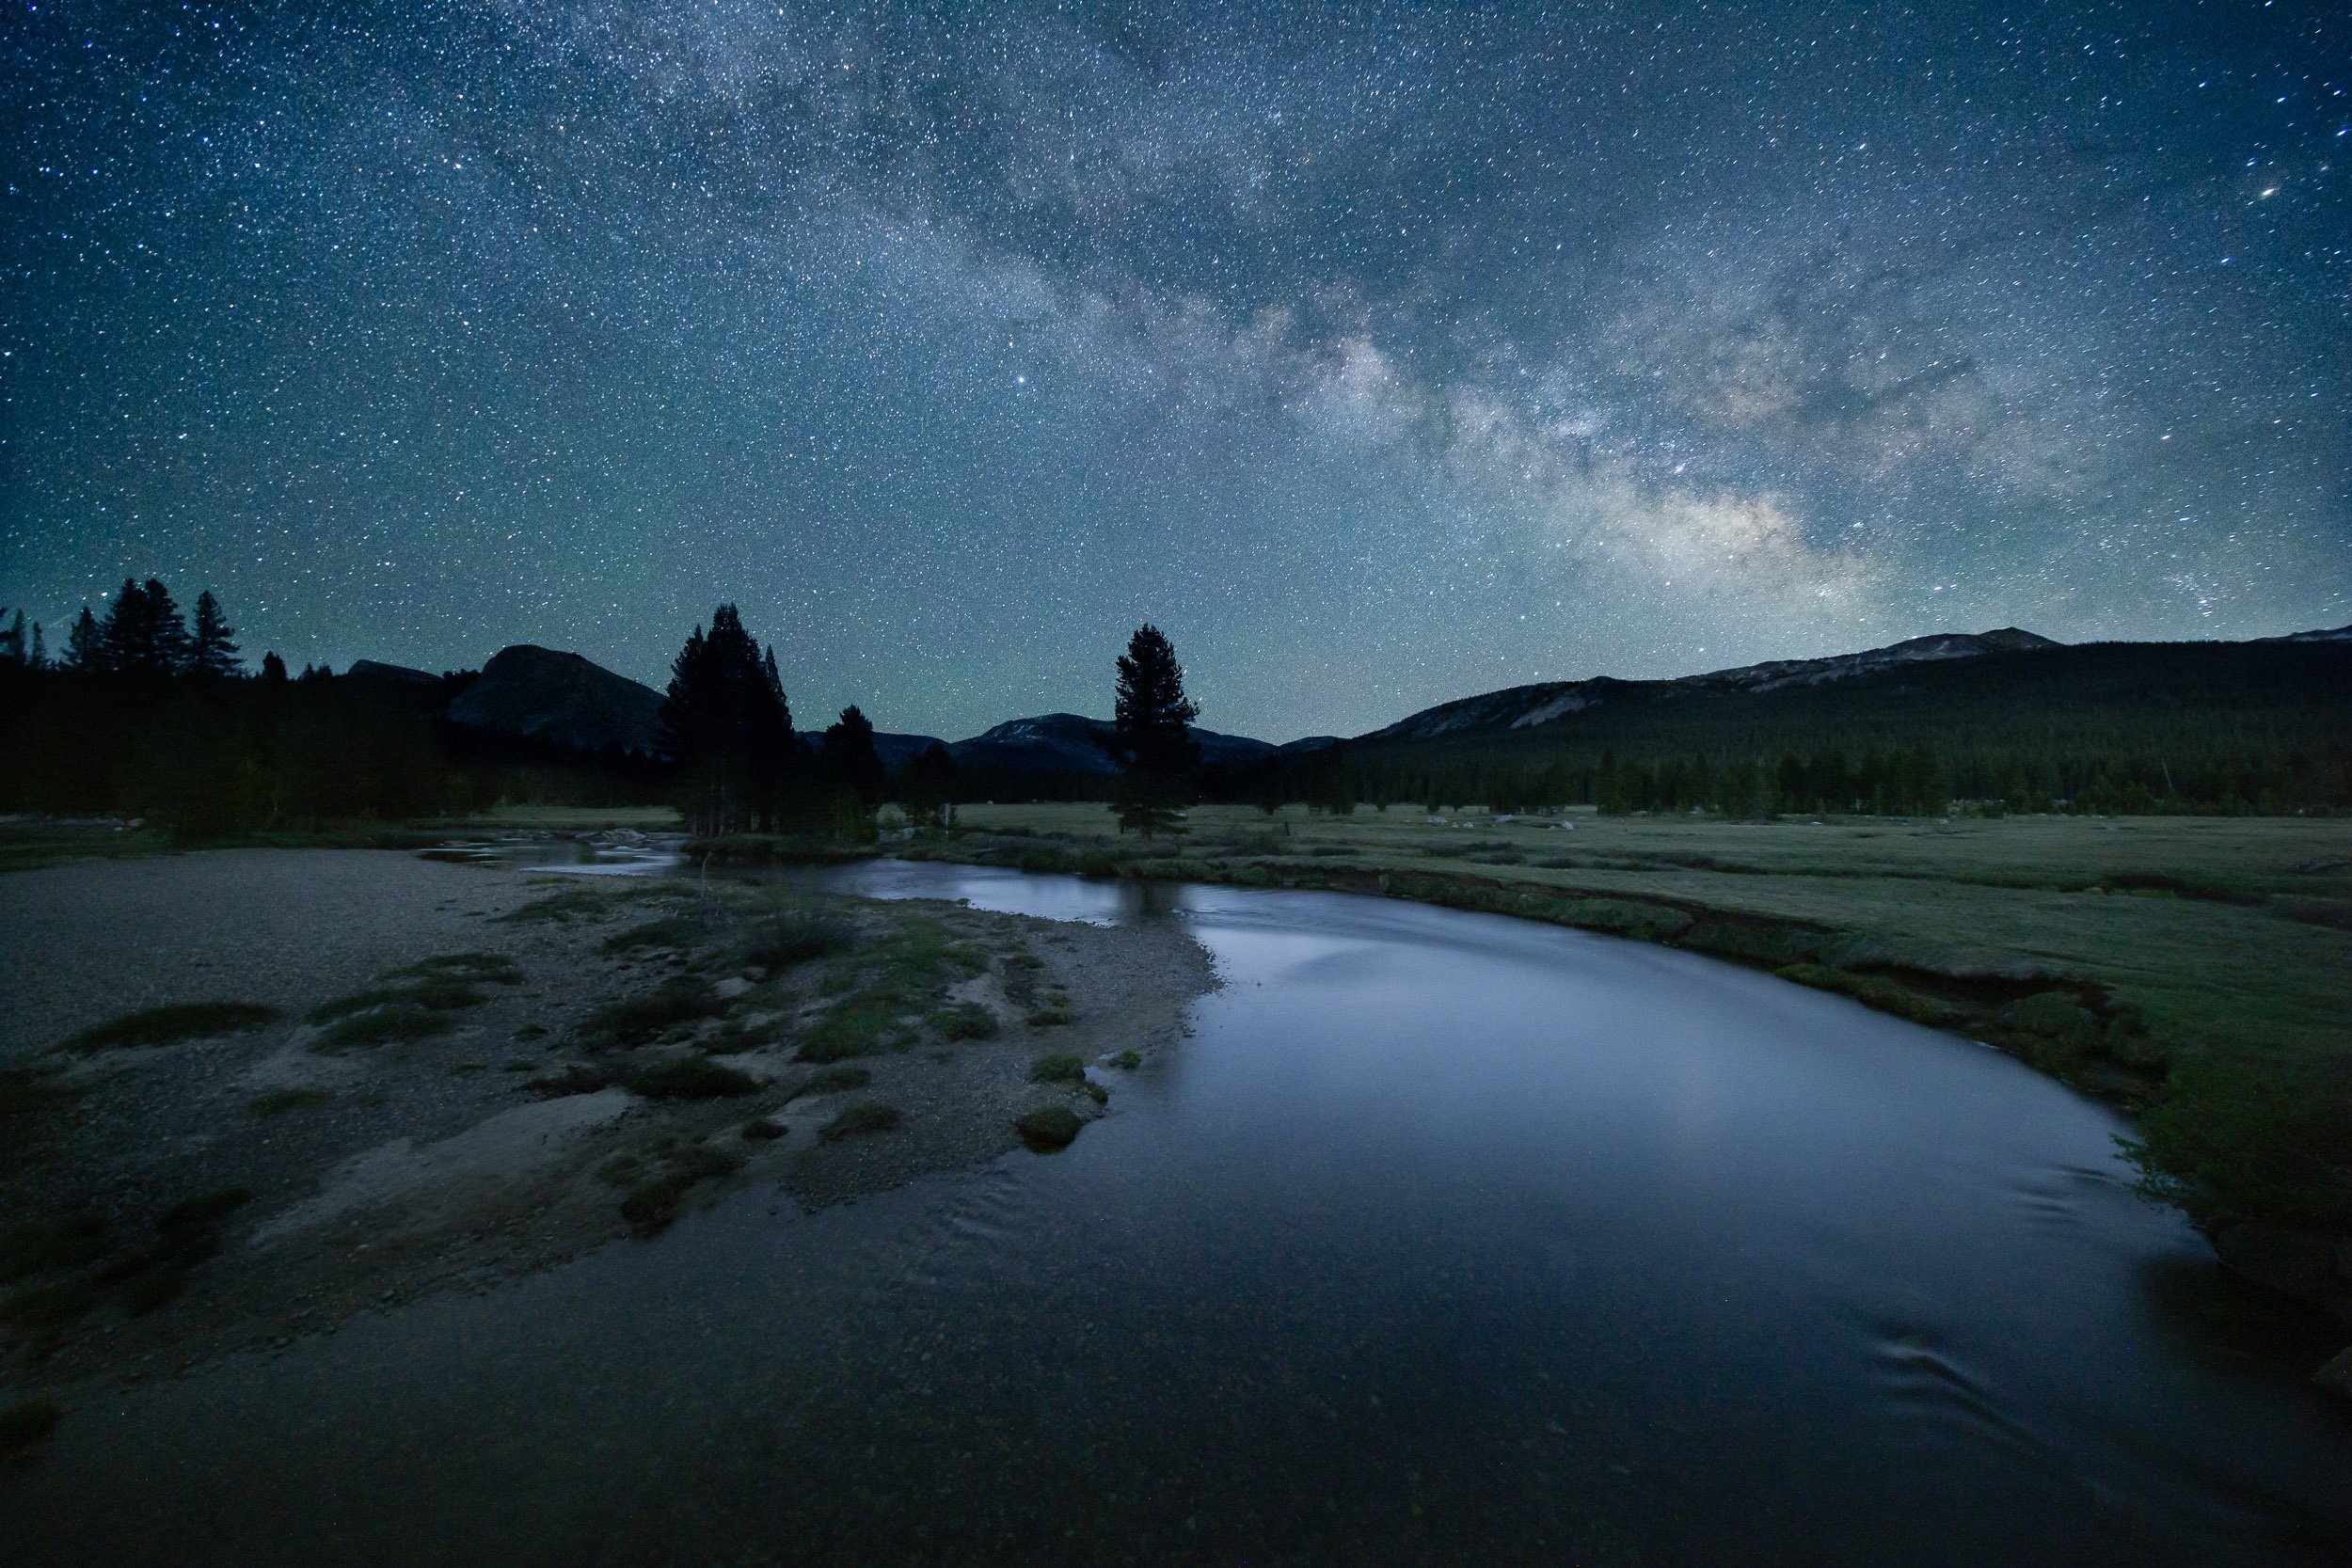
471	1072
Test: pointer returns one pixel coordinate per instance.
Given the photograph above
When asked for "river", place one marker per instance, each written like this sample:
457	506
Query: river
1444	1239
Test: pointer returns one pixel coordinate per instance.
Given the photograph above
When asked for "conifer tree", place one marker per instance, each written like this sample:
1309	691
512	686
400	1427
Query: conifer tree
211	653
273	669
727	722
850	752
84	645
40	656
1156	754
12	640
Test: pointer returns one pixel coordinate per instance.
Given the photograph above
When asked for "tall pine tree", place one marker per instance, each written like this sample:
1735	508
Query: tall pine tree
84	645
849	753
1155	749
211	653
727	722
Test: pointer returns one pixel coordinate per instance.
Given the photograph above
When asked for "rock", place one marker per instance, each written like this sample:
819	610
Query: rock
731	988
2336	1376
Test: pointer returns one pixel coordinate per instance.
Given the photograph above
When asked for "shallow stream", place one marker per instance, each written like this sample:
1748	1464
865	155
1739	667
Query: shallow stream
1445	1239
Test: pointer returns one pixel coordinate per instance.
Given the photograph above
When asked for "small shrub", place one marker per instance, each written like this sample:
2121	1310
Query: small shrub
763	1129
183	1021
1126	1061
1059	1067
635	1020
26	1422
1096	1092
833	1079
793	937
650	1208
279	1101
965	1021
1050	1017
1049	1128
692	1078
857	1027
866	1116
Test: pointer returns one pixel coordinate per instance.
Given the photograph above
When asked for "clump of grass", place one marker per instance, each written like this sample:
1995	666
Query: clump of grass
1096	1092
25	1423
636	1020
68	1241
279	1101
763	1129
183	1020
833	1079
532	1032
692	1078
1059	1066
965	1021
792	937
650	1206
1050	1017
866	1116
857	1027
382	1025
1049	1128
576	1078
479	968
1126	1061
672	931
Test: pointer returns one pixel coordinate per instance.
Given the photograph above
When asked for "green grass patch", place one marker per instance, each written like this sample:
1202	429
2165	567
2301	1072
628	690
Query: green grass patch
638	1020
1126	1061
965	1021
279	1101
183	1020
866	1116
1051	1018
476	968
1049	1128
1059	1066
792	937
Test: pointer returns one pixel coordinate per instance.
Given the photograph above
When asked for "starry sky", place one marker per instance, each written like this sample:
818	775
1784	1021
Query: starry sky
1378	353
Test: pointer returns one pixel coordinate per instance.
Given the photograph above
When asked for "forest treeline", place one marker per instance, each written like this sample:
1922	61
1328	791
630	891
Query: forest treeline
143	713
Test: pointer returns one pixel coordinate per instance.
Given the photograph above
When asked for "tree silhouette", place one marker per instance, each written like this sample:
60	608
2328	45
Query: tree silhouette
927	787
849	753
84	645
727	725
273	669
1155	749
211	653
143	633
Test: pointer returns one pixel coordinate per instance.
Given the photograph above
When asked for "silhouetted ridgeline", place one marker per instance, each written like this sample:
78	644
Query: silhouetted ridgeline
2218	727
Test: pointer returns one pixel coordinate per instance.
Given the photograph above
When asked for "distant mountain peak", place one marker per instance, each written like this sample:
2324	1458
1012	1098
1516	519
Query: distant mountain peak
548	694
1521	707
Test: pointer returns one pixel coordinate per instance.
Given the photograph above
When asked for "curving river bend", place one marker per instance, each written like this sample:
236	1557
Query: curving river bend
1446	1239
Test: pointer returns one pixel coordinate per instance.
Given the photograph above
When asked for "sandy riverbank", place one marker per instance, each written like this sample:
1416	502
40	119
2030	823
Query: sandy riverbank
509	1071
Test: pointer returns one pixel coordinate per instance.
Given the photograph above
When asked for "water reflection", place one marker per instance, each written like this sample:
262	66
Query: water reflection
597	855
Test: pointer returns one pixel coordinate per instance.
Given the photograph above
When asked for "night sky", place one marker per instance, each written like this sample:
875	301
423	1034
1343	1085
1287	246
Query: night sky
1380	355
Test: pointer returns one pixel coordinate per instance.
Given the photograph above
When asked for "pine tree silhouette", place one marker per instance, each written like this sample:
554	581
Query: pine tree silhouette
1156	752
211	653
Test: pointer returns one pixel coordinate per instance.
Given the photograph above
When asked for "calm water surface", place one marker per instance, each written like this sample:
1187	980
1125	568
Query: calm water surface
1446	1239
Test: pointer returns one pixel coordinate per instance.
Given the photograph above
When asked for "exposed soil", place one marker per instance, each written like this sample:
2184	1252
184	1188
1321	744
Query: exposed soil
475	1073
